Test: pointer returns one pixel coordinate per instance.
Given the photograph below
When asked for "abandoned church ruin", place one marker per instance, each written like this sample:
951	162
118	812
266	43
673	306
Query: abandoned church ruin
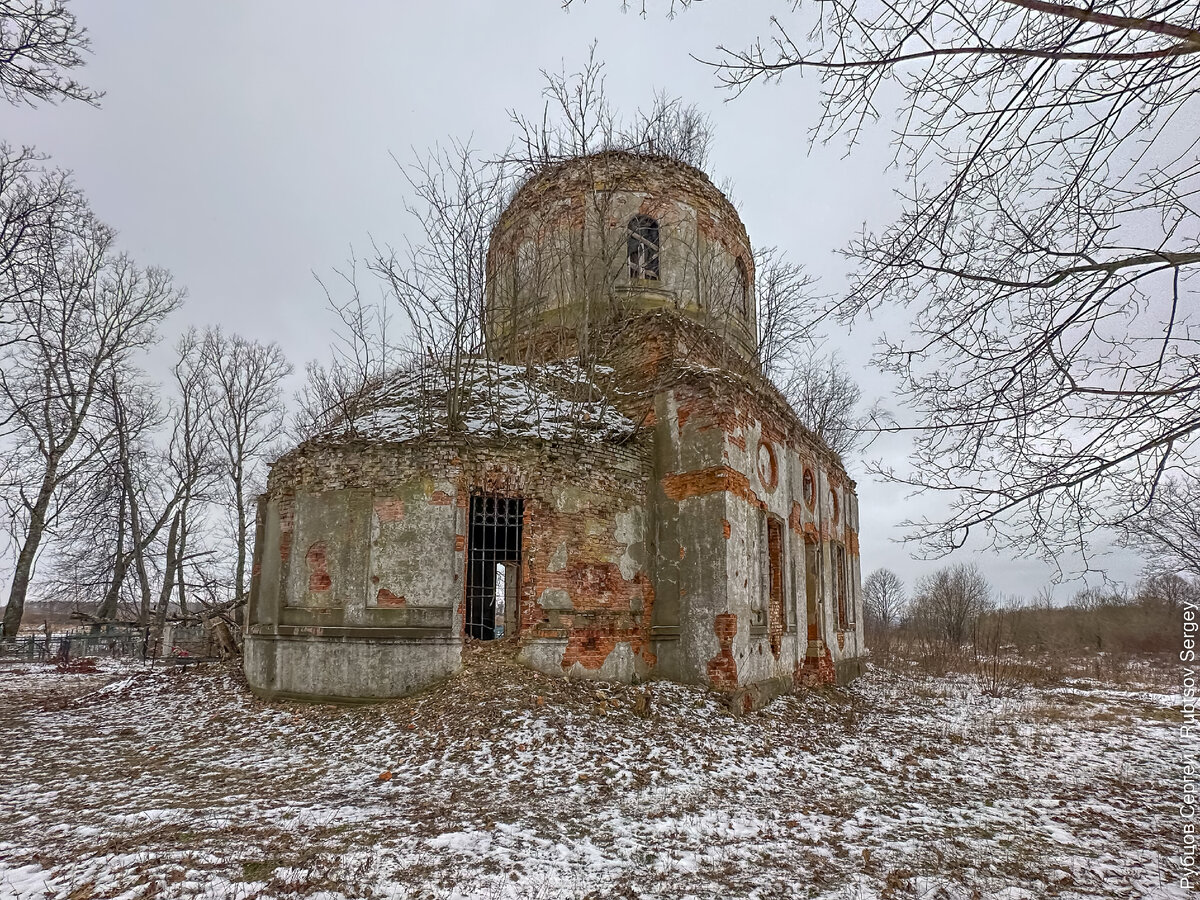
611	481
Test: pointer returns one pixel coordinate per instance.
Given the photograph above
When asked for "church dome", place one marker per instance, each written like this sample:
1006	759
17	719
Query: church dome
589	241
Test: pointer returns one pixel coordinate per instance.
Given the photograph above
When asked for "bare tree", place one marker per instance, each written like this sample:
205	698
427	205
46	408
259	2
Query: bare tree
1047	254
1170	590
671	128
194	468
87	311
884	599
40	41
947	603
129	527
243	391
577	120
439	284
363	355
40	210
786	299
1167	530
827	400
130	486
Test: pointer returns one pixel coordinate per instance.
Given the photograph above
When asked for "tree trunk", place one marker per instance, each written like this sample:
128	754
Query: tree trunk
180	555
108	606
139	558
15	608
169	569
241	522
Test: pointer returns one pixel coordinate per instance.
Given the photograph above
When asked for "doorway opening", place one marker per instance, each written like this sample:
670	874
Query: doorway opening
493	565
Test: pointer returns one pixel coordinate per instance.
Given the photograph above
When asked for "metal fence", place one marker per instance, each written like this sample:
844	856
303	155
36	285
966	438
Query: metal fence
175	645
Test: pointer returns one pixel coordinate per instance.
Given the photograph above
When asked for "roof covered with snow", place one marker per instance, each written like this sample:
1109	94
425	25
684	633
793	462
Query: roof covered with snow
551	401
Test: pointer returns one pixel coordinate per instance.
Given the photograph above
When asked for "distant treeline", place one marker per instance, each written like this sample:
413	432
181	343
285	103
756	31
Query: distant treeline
953	619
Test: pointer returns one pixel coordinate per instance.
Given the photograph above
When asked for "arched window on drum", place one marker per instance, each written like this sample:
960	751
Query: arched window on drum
643	248
741	288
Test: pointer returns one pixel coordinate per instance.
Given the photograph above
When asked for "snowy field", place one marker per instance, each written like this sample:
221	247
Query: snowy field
505	784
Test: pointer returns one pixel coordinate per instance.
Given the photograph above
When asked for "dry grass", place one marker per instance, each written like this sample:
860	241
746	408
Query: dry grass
503	783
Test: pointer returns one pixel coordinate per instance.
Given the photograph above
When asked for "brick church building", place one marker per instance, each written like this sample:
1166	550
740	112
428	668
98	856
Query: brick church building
612	483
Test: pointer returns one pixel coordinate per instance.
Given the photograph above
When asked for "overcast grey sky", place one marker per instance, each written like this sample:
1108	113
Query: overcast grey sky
246	145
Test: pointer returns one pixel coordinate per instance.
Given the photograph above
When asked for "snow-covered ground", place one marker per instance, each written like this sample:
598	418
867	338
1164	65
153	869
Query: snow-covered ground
502	783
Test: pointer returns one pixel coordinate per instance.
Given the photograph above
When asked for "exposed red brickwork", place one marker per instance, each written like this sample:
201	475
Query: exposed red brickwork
287	525
605	609
387	598
389	509
684	485
796	518
318	573
559	207
722	668
775	610
768	466
852	542
817	670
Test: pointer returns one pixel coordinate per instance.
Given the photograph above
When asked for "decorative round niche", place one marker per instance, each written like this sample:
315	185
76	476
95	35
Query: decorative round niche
768	466
809	488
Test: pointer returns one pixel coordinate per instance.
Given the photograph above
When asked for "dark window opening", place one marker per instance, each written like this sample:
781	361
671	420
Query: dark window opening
643	248
741	290
493	565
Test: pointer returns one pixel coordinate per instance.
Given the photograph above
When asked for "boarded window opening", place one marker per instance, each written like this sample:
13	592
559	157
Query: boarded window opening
493	565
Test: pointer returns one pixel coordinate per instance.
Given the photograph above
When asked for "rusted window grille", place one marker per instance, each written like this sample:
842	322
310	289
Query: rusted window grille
493	564
643	248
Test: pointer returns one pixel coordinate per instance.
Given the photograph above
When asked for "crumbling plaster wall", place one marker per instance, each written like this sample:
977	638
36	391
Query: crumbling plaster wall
557	261
361	556
729	461
587	596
